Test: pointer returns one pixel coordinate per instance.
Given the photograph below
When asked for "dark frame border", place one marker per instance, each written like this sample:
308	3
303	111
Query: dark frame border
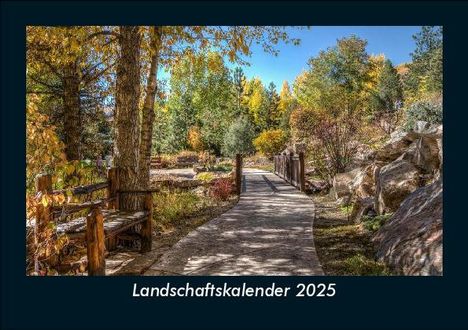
363	302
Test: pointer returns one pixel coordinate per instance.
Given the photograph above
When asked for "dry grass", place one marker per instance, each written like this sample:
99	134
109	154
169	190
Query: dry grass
343	248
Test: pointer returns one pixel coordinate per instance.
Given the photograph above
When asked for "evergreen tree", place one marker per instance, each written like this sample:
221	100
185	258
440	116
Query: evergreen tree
215	104
239	89
425	71
238	138
388	95
272	114
285	107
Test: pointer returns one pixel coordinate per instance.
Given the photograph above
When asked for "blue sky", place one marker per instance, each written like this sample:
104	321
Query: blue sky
395	42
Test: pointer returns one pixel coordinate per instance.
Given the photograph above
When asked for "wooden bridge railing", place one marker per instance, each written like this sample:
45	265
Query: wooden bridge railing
238	174
290	167
94	229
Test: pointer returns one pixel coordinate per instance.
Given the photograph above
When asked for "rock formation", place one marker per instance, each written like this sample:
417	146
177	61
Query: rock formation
403	177
410	242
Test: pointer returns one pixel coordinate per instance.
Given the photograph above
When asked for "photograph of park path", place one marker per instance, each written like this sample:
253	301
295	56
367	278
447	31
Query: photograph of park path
234	150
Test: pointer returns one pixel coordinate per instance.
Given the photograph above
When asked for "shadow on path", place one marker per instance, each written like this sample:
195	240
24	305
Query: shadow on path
268	232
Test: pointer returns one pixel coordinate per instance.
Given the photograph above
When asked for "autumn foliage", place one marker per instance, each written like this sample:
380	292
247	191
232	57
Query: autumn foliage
221	189
270	142
44	150
195	139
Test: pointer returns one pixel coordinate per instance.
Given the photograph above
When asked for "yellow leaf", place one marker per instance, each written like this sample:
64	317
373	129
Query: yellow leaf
44	201
69	169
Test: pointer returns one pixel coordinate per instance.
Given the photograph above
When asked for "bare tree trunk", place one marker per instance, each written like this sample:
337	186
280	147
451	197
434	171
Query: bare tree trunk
148	108
126	116
72	118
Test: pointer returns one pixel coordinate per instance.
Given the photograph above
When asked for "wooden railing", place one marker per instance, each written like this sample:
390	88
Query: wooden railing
290	167
238	174
104	220
95	232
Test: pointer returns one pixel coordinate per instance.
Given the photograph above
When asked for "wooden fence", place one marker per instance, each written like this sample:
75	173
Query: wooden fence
290	167
104	223
238	174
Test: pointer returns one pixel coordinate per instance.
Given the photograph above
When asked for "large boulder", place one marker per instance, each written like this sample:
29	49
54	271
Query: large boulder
395	146
362	207
424	154
363	184
363	192
426	151
441	158
358	183
410	242
395	181
343	185
362	155
316	186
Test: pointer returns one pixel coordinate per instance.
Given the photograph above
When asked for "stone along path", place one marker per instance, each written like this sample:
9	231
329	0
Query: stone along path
268	232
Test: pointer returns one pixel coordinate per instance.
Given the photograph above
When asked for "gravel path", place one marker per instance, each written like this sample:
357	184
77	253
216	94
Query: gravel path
268	232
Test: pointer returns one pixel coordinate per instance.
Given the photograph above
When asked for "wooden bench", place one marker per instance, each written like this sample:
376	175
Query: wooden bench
156	162
104	223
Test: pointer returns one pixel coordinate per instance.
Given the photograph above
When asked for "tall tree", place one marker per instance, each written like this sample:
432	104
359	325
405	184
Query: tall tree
148	114
186	82
332	98
285	107
239	81
272	113
127	97
426	70
216	103
387	98
336	80
255	100
177	41
68	64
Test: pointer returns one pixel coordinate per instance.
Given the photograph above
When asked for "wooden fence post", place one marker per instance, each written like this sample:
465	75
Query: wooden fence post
301	171
44	186
238	173
43	216
147	226
112	192
274	164
291	167
95	243
113	188
285	166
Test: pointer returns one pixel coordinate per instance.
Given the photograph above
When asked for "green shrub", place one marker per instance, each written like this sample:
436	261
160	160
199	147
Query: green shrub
429	110
205	176
346	209
174	206
168	161
223	167
238	138
361	265
374	223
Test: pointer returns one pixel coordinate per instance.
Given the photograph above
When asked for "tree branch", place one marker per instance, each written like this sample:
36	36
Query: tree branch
103	33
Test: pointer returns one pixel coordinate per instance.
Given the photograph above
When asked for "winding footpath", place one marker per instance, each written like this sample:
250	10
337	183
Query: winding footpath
268	232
